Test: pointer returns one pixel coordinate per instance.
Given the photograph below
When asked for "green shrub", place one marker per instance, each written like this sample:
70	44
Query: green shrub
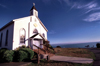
2	54
23	46
8	56
58	47
17	48
50	46
2	50
29	52
22	55
98	45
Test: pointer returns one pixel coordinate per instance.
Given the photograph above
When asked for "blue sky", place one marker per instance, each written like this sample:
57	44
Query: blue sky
67	21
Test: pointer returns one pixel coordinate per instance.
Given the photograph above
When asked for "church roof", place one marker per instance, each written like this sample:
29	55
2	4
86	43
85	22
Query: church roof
42	24
11	22
33	8
39	35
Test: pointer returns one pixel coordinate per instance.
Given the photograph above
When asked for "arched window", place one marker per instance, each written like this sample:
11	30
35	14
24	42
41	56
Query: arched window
6	43
1	39
22	35
35	31
43	35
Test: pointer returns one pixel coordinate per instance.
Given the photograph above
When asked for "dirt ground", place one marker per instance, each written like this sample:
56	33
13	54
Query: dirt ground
74	52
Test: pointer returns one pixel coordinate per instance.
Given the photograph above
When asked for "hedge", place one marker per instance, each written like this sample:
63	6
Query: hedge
29	52
2	51
8	56
16	55
23	54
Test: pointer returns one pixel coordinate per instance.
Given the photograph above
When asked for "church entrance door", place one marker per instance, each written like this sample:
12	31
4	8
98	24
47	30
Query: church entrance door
36	42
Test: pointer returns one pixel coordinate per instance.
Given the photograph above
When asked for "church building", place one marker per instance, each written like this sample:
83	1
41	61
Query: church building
24	31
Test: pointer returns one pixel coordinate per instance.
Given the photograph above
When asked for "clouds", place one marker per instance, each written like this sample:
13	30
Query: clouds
90	8
1	5
93	17
87	7
82	4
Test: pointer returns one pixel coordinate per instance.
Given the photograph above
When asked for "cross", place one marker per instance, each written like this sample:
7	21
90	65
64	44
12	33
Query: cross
33	4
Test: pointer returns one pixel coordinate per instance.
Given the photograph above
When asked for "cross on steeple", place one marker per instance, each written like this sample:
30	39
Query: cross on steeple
33	10
33	4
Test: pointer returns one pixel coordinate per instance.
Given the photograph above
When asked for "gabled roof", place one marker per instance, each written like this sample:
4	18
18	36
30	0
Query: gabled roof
33	8
39	35
42	24
11	22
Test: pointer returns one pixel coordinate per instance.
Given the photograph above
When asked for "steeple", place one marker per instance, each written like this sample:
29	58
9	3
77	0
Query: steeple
33	10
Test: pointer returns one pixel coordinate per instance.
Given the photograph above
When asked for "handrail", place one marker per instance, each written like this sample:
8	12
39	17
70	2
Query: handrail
49	48
44	49
39	48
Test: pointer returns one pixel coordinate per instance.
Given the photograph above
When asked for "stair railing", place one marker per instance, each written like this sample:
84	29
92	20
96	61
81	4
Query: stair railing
47	48
39	48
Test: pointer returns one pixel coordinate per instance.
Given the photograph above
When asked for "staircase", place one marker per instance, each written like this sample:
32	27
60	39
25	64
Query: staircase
43	51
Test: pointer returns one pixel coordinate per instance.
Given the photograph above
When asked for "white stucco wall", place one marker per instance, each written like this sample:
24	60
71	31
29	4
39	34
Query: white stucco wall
28	24
14	31
39	27
10	37
19	24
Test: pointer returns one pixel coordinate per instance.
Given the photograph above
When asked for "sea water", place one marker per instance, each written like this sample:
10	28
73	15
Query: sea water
77	45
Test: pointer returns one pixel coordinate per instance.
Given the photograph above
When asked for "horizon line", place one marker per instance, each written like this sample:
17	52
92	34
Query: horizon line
75	42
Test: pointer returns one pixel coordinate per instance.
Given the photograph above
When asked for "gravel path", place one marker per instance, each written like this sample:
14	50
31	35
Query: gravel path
71	59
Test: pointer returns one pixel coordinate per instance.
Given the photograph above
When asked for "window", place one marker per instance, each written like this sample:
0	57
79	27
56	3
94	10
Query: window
22	35
35	31
6	43
43	35
1	39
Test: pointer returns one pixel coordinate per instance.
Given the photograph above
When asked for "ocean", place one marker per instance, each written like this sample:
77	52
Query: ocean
78	45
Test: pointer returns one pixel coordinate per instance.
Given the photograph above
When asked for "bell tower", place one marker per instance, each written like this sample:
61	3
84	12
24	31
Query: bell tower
34	11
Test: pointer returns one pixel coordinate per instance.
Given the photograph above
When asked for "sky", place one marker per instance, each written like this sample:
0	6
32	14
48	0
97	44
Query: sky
67	21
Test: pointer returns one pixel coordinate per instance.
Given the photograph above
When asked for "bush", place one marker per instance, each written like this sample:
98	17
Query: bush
2	51
98	45
23	46
58	47
8	56
19	55
29	52
23	54
50	46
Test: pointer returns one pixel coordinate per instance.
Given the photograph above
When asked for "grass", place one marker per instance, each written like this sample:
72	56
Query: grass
73	52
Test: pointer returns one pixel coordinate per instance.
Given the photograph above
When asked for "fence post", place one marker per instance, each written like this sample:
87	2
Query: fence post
48	58
38	56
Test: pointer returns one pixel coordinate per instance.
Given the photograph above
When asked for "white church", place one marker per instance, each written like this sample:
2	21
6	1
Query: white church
24	31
